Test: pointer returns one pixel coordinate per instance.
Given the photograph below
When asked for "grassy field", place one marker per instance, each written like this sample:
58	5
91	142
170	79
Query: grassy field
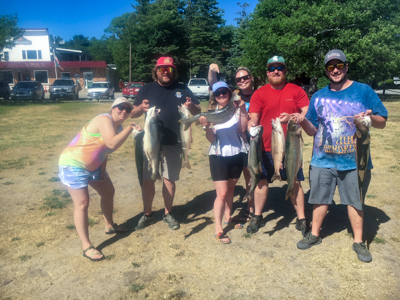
40	252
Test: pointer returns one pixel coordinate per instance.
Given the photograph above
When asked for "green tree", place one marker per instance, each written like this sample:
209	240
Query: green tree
9	31
78	42
303	31
202	20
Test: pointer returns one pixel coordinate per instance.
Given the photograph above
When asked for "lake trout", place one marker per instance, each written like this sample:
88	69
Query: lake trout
185	135
293	155
255	158
277	147
138	136
151	141
217	116
362	149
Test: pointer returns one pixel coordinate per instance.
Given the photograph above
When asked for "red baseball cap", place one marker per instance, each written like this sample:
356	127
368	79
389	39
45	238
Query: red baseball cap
165	61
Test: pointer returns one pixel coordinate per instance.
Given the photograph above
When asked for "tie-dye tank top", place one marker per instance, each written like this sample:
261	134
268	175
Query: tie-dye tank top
87	150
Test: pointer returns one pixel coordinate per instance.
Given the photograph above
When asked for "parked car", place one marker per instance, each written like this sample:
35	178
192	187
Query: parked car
4	90
200	88
27	90
101	90
131	90
64	88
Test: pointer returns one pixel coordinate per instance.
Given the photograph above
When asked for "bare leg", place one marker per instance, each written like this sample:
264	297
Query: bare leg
229	198
148	192
221	188
319	213
80	198
106	191
260	197
356	220
298	200
168	194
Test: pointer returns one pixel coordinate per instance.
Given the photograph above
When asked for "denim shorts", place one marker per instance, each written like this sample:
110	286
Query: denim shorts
77	178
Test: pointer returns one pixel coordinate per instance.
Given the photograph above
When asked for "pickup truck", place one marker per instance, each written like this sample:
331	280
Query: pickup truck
200	88
131	89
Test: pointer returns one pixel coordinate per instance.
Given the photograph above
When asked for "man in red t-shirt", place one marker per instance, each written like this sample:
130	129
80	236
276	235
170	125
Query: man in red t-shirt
277	99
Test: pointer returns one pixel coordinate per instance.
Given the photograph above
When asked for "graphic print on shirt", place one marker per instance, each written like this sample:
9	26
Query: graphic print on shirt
336	127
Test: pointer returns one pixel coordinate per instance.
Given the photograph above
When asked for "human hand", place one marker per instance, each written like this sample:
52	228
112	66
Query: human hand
284	118
145	105
188	101
203	121
214	68
250	124
368	112
298	118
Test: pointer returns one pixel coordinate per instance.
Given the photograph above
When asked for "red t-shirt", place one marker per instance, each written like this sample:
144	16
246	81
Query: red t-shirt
270	103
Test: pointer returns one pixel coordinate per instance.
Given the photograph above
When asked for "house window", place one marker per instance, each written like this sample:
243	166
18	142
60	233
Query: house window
23	54
6	56
41	76
66	75
6	76
31	54
40	54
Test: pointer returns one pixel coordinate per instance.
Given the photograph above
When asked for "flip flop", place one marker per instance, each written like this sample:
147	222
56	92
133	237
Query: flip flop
115	229
222	238
90	256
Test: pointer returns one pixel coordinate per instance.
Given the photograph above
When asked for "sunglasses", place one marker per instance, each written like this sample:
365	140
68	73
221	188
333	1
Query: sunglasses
239	79
340	66
221	92
279	68
165	69
122	107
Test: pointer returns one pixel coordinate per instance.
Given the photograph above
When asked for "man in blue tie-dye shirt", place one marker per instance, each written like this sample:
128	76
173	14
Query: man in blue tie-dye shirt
330	119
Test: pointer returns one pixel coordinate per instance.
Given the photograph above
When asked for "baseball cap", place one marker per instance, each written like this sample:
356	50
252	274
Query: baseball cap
121	100
218	85
276	60
335	54
165	61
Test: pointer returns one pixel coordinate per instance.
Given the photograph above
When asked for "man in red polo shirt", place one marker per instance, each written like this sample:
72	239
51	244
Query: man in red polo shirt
277	99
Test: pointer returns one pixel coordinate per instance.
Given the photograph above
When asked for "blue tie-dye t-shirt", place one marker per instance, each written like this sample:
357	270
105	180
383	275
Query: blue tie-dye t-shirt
332	113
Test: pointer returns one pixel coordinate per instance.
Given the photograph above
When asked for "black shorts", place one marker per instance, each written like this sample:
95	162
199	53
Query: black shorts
268	169
224	168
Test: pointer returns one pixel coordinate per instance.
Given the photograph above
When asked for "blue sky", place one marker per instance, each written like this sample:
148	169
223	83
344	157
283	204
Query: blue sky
89	18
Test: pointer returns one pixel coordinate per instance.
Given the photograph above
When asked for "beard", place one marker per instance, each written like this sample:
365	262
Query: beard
164	80
278	80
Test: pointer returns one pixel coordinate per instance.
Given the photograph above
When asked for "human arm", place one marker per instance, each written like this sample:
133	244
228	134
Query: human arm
299	117
243	116
377	121
210	135
212	74
253	121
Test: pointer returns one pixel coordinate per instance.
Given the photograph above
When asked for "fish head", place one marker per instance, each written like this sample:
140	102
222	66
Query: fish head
153	112
183	111
276	124
293	126
235	96
363	124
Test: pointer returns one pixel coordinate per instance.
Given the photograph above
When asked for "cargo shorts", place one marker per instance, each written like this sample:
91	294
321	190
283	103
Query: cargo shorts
170	161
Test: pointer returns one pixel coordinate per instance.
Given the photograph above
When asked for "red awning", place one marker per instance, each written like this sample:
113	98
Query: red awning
50	64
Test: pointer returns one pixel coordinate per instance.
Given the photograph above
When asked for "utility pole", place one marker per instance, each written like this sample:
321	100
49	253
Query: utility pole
130	60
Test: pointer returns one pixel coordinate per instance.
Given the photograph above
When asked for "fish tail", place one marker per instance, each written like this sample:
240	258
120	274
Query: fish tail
276	176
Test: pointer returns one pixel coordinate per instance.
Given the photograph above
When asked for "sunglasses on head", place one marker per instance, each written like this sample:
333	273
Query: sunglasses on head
220	92
122	107
340	66
167	69
239	79
279	68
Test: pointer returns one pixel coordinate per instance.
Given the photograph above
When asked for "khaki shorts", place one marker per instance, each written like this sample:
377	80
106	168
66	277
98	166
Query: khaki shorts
171	163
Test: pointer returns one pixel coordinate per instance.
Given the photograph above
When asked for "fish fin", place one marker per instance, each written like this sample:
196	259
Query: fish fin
186	164
276	176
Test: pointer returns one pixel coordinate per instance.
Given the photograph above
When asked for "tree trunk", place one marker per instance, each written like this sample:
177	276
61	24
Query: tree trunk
312	88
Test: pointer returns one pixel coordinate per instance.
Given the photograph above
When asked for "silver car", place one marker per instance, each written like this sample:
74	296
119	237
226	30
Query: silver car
101	90
64	88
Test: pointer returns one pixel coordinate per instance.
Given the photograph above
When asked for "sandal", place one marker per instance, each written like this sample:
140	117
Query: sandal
235	224
115	229
246	217
222	238
94	252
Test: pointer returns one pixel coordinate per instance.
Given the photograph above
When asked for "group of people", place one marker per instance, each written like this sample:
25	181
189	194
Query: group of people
83	162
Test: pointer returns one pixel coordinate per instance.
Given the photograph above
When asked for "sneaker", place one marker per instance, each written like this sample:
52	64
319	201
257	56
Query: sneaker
172	223
302	225
254	224
308	241
362	252
145	220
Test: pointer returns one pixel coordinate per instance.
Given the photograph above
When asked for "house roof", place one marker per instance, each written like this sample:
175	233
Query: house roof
50	64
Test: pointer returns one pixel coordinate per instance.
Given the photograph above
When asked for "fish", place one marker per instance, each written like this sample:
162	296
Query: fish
363	137
138	136
254	158
151	141
217	116
185	136
277	147
293	155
